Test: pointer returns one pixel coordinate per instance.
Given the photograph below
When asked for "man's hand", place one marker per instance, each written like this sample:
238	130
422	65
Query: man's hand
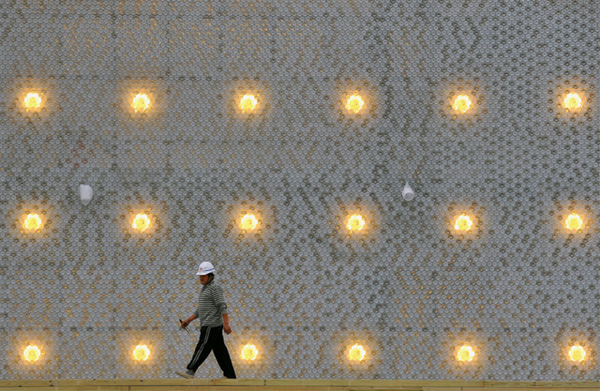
226	327
184	324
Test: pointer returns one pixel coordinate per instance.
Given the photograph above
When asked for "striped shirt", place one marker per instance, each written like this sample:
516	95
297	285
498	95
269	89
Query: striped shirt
211	305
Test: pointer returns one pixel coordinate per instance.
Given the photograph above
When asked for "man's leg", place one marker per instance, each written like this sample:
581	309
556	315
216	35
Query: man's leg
205	345
222	354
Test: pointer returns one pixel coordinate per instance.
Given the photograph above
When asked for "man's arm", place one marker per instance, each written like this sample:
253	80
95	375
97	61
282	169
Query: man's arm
226	327
219	300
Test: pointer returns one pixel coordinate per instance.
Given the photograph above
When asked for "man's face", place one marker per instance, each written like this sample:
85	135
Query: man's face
203	279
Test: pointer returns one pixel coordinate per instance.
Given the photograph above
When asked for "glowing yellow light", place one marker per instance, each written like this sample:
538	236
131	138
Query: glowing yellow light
577	353
573	222
572	101
248	222
462	103
32	101
249	352
356	353
32	222
140	103
465	353
32	353
463	223
141	353
248	103
356	223
141	222
355	103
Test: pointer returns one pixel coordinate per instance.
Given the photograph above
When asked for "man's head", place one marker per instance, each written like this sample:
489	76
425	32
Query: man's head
206	271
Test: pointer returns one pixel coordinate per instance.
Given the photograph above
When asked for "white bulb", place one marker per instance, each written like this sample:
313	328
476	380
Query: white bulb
408	194
85	194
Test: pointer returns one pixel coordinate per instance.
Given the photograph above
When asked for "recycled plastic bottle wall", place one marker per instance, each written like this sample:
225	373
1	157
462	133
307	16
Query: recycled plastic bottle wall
87	288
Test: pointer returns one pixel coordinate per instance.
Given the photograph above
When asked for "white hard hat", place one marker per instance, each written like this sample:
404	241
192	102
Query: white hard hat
205	268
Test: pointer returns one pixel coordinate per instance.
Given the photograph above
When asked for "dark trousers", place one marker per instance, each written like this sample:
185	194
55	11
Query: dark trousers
211	339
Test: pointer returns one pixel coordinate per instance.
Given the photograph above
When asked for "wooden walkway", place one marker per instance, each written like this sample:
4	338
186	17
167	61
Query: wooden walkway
288	385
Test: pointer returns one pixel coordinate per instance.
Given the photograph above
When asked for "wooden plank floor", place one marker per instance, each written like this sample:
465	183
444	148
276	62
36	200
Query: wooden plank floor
288	385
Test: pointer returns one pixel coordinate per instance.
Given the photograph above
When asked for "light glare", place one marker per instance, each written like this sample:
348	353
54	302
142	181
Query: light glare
32	101
574	222
248	222
463	223
248	103
577	353
141	222
141	353
32	222
249	352
572	101
356	353
355	103
356	223
465	353
462	103
140	103
32	353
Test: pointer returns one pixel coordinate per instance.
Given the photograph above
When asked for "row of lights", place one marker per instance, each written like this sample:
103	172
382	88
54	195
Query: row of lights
356	353
249	222
354	104
248	103
32	353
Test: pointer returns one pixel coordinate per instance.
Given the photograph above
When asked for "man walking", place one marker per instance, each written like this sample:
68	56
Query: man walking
212	313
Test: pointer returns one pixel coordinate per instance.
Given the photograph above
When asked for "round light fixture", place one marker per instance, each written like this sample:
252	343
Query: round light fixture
461	104
463	223
356	353
355	103
32	353
248	222
572	101
573	222
465	353
141	353
249	352
141	222
248	103
32	101
32	222
577	353
140	103
355	223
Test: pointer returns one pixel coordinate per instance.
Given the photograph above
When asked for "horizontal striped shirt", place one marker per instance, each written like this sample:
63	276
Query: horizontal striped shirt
211	305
